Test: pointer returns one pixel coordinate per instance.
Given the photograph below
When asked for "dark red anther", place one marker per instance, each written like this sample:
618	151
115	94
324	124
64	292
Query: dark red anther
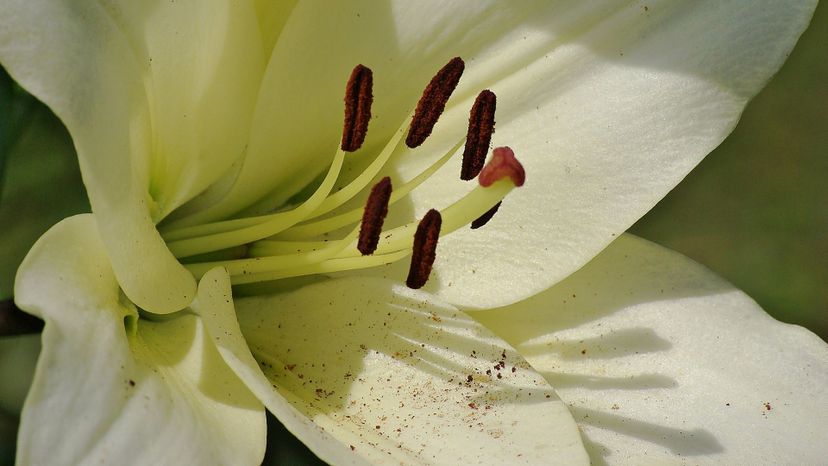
358	99
425	249
502	164
373	216
433	101
484	219
479	135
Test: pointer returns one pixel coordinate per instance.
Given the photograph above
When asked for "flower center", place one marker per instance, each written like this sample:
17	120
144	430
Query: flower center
303	240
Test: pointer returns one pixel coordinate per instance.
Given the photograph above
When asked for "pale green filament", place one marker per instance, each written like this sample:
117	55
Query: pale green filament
273	260
261	263
327	266
327	204
277	246
275	223
461	213
354	187
213	228
319	227
267	247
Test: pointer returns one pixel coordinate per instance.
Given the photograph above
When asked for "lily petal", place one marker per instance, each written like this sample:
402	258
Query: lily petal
215	306
112	388
661	361
76	59
115	74
608	110
608	105
202	63
272	18
399	376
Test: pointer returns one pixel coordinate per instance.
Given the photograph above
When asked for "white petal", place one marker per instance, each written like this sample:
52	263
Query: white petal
298	121
76	59
386	370
158	101
112	388
272	18
609	105
608	110
663	362
215	306
203	62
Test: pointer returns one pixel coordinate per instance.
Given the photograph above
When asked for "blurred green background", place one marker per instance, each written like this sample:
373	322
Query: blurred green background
756	209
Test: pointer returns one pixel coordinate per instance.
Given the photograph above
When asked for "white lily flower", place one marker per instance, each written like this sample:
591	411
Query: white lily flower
194	122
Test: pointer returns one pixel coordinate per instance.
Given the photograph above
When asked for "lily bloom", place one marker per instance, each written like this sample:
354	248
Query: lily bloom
236	256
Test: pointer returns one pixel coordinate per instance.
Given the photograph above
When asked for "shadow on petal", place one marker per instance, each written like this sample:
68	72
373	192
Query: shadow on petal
395	371
658	360
597	382
691	442
613	344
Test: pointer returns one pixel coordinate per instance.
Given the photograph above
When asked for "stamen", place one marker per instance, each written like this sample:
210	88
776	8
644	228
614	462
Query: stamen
347	192
319	227
271	263
484	219
273	224
479	135
501	177
266	247
326	266
433	101
373	217
358	99
424	250
276	246
503	164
